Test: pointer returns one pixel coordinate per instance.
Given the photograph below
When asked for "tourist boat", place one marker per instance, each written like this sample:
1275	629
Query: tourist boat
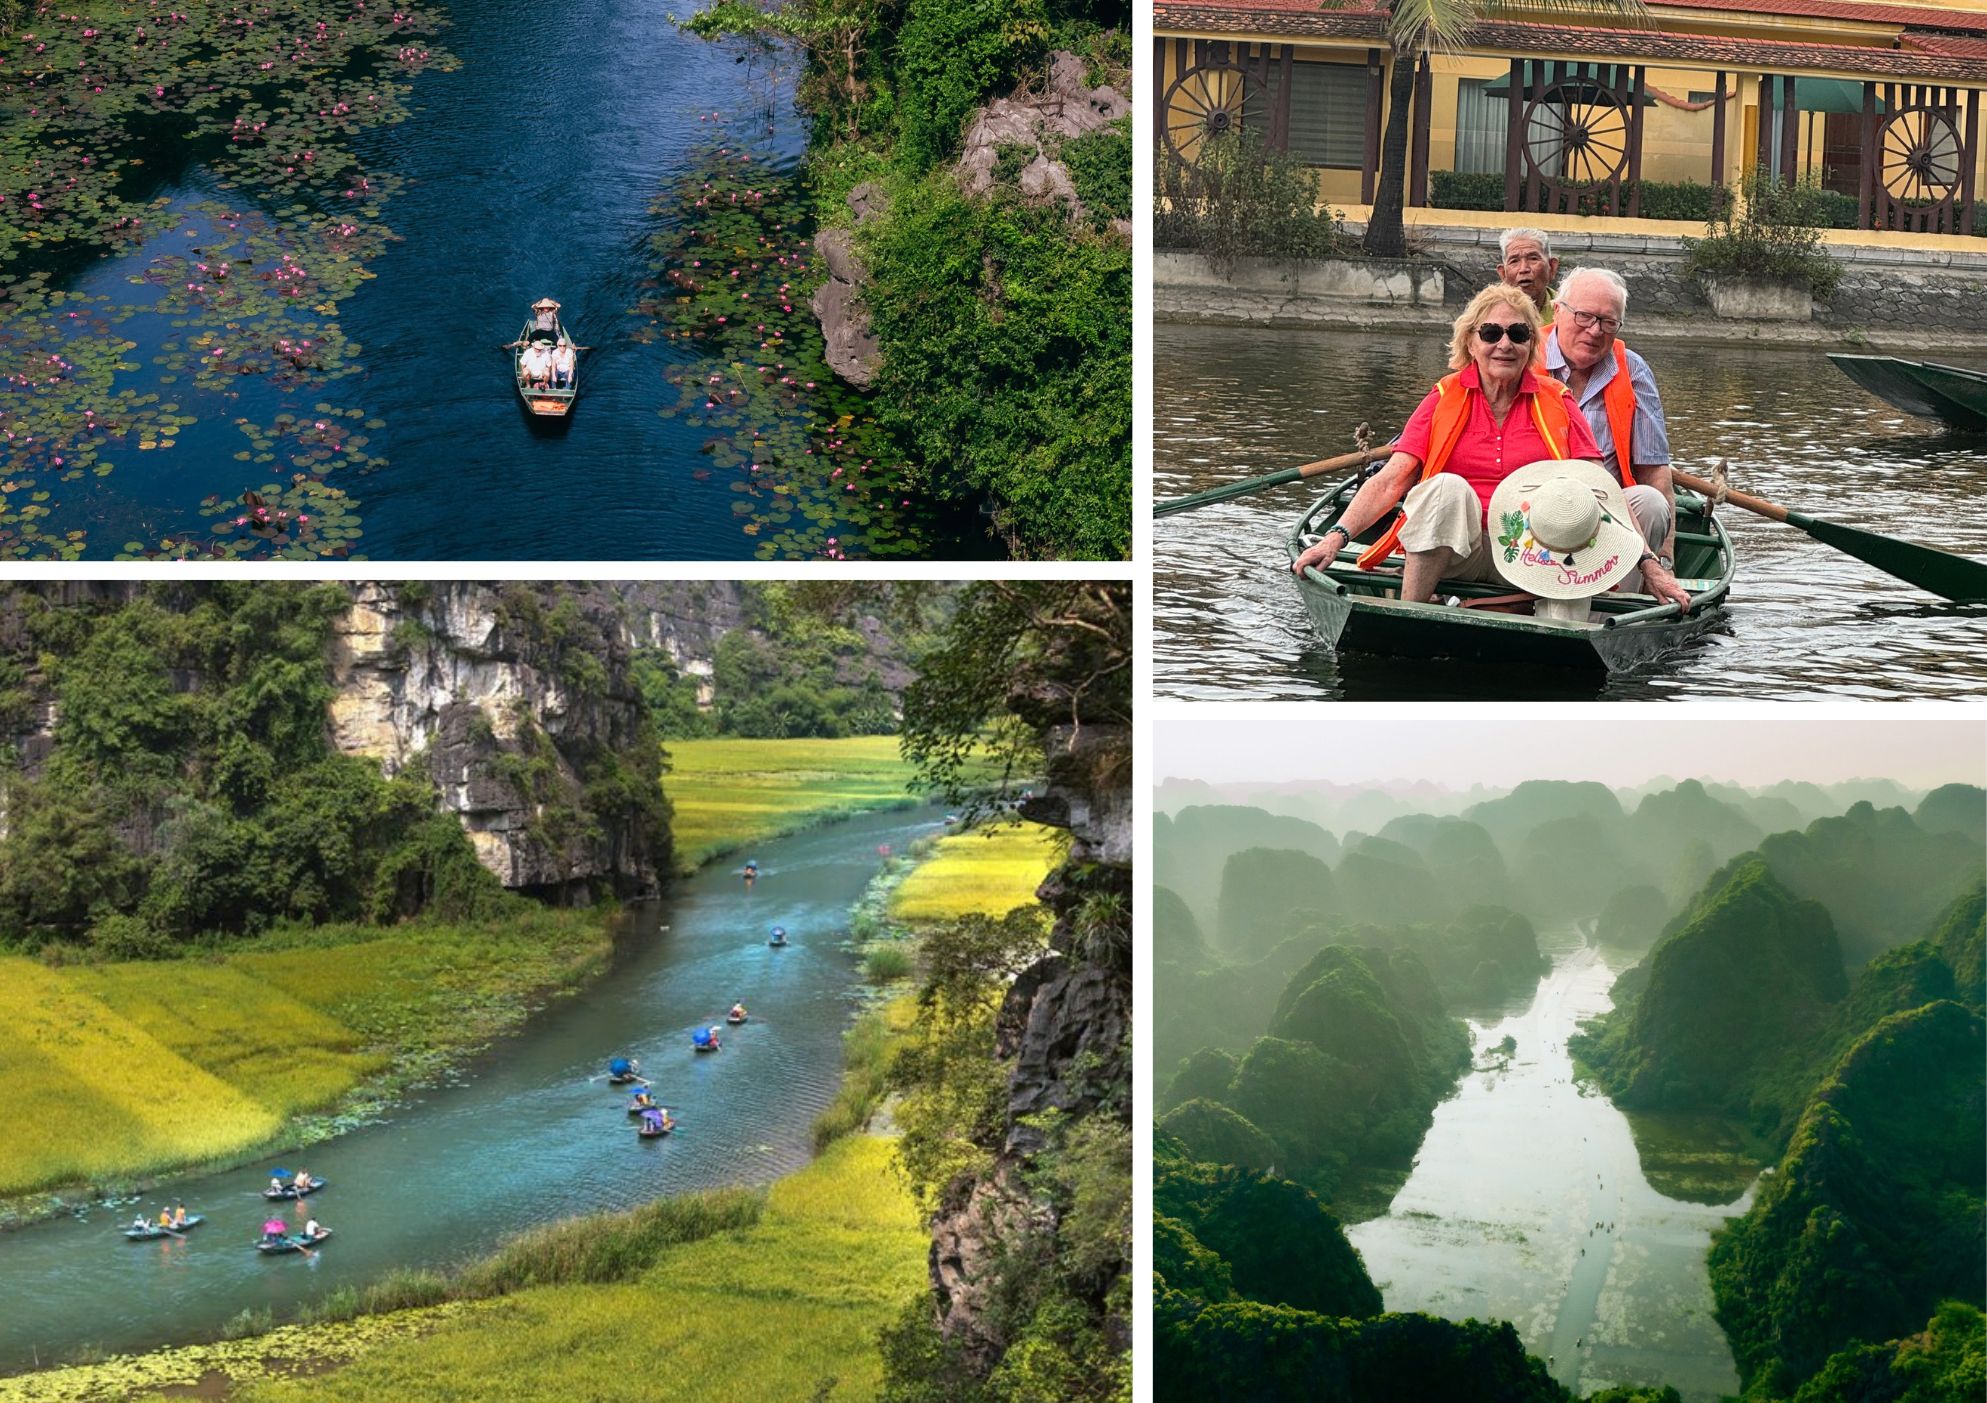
1954	396
295	1242
544	401
623	1070
778	938
734	1018
291	1191
1361	611
654	1129
153	1230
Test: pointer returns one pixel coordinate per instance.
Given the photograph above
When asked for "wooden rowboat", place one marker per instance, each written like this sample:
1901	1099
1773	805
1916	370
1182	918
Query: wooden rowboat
292	1191
1361	610
295	1242
544	401
1955	396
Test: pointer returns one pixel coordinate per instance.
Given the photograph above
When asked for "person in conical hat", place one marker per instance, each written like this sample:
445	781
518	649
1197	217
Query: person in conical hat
545	315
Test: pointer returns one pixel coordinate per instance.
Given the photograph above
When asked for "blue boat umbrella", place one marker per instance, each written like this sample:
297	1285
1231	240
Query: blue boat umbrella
620	1066
701	1037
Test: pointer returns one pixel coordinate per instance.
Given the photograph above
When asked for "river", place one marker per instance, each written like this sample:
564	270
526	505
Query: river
1806	622
1527	1203
547	163
529	1135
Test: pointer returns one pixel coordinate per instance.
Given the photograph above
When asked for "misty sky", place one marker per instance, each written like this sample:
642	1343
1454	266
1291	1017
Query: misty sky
1621	753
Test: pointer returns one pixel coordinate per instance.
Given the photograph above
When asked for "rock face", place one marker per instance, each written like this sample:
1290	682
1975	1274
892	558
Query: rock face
512	698
852	350
1066	1021
1066	107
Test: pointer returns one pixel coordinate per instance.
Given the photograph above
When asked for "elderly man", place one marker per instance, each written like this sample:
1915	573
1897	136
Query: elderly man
1617	396
1525	261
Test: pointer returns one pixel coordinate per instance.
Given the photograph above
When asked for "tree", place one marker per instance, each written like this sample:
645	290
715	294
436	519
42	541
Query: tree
1414	30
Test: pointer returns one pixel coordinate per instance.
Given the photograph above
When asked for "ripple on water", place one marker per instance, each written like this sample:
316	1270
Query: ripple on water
1806	622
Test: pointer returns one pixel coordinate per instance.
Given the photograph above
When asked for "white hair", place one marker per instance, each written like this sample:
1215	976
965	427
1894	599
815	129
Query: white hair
1615	285
1537	236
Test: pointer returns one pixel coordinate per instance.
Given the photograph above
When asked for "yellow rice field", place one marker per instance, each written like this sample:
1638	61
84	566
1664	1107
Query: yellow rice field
730	793
989	870
786	1309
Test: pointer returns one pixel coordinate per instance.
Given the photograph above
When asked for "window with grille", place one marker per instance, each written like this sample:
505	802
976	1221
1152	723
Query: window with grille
1327	113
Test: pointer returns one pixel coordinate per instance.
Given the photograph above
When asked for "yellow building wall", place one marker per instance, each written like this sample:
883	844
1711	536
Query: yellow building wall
1676	143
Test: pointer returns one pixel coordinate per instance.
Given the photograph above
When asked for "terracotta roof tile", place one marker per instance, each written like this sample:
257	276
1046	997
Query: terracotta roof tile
1276	17
1914	16
1953	45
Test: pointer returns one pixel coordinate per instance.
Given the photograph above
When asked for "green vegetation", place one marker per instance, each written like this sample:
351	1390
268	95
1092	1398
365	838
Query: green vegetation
1244	199
1774	234
192	791
1661	199
730	794
258	1036
1002	320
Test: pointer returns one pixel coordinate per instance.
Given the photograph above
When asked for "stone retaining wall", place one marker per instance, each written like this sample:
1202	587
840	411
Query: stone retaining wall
1901	299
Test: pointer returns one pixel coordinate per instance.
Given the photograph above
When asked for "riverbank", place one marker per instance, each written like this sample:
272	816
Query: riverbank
221	1058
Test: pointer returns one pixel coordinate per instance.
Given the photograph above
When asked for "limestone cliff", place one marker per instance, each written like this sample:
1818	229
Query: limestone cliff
1066	1022
517	699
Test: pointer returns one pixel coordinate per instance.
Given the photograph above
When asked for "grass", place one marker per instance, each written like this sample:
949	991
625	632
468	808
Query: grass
112	1073
989	870
786	1307
866	1051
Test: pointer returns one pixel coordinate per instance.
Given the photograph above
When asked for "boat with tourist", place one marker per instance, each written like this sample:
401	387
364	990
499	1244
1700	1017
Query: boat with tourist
547	392
1361	610
292	1242
1951	394
778	937
150	1231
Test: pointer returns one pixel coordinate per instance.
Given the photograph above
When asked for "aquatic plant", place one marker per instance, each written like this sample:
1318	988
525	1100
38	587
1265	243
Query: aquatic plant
735	267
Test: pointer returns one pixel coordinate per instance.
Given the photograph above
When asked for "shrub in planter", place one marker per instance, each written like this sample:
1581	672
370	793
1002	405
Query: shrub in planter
1243	199
1660	199
1776	237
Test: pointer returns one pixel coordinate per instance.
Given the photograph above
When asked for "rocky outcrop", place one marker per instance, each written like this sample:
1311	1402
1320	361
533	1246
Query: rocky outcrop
511	697
1066	1021
1066	107
852	349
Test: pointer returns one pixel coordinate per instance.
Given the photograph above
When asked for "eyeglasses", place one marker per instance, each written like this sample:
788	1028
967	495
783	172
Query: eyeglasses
1492	333
1586	321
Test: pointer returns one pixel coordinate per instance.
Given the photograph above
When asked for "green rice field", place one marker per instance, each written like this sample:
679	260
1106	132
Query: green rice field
729	794
988	870
110	1073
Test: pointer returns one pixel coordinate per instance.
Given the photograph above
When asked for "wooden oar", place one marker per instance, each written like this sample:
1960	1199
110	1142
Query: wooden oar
1954	577
1276	479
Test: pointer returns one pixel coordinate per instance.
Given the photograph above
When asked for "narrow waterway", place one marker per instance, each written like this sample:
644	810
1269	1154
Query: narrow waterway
530	1135
1527	1203
1806	622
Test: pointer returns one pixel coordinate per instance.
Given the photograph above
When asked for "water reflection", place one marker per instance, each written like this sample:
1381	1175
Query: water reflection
1806	621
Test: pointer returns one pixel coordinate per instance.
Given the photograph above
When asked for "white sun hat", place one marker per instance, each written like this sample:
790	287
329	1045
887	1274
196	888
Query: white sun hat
1560	529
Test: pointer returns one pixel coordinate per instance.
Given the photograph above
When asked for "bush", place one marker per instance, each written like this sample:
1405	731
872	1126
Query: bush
1661	199
953	54
885	963
1099	166
1775	237
1242	199
608	1247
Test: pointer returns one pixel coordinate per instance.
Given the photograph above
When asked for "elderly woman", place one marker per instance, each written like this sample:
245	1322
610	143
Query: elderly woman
1496	413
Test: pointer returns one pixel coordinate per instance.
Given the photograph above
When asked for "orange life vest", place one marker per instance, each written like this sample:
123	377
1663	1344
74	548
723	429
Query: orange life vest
1618	397
1452	414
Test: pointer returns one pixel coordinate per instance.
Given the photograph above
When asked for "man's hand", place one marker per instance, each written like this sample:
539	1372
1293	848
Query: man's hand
1661	583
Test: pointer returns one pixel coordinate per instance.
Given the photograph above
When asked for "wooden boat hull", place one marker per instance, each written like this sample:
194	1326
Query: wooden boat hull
152	1233
543	402
293	1193
1359	611
295	1242
734	1022
1951	394
623	1081
647	1134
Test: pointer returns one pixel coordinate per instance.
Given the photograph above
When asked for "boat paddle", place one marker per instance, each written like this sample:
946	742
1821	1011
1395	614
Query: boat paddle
1954	577
1276	479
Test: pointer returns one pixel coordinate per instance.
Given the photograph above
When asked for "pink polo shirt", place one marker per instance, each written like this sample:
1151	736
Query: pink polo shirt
1487	453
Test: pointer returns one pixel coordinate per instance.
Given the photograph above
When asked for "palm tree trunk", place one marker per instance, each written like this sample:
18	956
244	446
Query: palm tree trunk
1385	235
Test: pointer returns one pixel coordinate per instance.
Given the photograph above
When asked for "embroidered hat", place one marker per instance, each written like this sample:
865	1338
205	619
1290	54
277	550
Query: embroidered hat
1560	529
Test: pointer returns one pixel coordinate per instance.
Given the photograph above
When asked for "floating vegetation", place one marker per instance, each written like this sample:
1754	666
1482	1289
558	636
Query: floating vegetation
98	108
815	476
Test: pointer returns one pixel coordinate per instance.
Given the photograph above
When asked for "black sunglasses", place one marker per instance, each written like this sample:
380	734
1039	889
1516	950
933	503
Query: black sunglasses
1492	333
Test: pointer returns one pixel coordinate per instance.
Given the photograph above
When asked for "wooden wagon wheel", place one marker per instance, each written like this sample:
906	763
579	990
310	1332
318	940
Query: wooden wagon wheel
1919	156
1585	126
1207	102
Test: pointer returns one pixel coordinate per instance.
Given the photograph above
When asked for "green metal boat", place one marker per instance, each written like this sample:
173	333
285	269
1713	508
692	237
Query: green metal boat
1953	395
1361	610
544	399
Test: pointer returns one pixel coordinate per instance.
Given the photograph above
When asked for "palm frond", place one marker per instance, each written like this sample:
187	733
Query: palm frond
1443	24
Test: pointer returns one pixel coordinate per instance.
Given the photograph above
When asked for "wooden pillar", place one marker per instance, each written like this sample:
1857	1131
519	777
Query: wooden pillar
1531	173
1424	100
1636	96
1159	93
1376	98
1969	160
1866	183
1790	132
1763	157
1718	131
1514	161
